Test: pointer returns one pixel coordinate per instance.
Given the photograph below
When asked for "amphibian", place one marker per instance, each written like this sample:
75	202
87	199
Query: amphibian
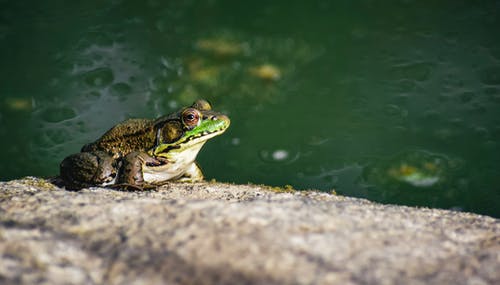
145	152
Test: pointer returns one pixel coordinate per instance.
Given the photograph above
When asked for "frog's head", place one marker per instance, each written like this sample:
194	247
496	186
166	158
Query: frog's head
184	133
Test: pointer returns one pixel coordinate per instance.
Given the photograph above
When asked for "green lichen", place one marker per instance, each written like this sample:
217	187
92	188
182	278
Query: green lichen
38	183
285	189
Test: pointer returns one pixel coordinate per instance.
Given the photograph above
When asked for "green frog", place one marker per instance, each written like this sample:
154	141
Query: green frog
141	152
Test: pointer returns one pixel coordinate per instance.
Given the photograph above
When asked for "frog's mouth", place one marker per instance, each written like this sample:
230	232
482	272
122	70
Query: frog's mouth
193	138
202	137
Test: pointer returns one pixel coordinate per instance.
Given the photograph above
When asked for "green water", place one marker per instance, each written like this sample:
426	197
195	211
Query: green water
397	103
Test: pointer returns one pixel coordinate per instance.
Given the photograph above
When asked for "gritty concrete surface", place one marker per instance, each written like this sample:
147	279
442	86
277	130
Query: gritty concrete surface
214	233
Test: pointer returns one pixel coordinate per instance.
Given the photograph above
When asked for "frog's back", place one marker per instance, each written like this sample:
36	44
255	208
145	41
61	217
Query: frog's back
128	136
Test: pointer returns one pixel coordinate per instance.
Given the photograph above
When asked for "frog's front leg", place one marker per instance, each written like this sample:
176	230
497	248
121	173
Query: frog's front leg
131	171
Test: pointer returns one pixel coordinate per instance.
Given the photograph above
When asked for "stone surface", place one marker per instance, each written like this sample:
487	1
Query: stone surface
213	233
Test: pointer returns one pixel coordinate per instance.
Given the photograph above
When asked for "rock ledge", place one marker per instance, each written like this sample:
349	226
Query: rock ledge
214	233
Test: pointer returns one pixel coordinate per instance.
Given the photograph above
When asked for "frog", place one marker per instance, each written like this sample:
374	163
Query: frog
145	153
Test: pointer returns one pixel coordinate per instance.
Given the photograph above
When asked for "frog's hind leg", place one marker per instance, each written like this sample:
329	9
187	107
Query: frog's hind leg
86	169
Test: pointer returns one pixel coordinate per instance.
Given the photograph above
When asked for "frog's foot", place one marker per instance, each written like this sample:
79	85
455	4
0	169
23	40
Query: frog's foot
192	174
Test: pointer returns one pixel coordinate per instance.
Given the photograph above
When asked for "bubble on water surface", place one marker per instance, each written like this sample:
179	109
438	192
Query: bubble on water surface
278	155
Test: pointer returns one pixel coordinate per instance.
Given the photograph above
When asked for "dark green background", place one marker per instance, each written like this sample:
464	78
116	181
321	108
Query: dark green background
364	88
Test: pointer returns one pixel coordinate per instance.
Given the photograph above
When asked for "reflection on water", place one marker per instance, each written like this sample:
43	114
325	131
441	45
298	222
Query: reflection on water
416	176
395	104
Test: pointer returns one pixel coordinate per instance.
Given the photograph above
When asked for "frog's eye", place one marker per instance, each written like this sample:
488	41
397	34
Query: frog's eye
191	117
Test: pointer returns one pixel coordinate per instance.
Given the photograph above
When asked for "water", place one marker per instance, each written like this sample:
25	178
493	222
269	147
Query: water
396	103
